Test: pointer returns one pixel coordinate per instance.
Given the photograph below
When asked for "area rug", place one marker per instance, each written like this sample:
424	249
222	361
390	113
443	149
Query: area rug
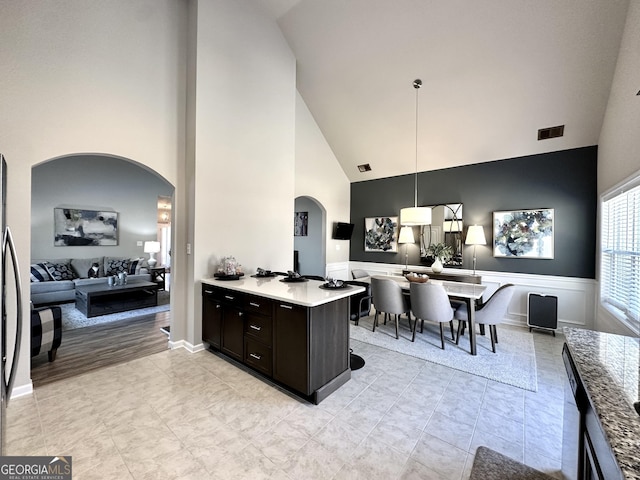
514	362
74	318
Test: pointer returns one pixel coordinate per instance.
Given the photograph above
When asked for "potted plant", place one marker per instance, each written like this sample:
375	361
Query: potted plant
441	252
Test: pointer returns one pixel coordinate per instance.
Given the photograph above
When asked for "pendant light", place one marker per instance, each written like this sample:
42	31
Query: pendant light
416	215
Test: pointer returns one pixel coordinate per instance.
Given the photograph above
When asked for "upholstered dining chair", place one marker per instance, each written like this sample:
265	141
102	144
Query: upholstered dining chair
489	313
429	301
389	299
359	273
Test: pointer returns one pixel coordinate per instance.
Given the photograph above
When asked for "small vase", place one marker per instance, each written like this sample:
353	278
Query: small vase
437	266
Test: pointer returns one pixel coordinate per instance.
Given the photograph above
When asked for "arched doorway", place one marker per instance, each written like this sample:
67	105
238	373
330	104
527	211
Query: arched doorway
310	242
128	192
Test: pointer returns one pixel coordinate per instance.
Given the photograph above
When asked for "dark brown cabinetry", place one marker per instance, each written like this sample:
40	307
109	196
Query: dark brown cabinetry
258	333
311	346
305	349
223	321
211	317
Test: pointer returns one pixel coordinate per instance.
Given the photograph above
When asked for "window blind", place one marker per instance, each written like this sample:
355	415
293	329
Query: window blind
620	254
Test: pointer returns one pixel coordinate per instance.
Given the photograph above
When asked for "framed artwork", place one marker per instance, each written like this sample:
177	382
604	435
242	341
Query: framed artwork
523	234
301	224
76	227
381	234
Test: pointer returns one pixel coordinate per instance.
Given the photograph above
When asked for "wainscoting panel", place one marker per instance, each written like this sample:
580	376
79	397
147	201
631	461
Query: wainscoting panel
576	296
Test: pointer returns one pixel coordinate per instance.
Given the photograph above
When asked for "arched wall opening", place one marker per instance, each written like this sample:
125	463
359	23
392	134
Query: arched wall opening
98	182
310	241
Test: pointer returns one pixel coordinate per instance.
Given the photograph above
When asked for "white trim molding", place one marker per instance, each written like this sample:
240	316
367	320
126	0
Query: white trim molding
576	296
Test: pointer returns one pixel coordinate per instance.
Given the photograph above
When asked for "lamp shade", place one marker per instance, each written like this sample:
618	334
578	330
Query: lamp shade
475	236
412	216
406	235
151	247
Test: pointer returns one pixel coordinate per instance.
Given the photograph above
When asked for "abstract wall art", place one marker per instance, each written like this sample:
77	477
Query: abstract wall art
76	227
523	234
381	234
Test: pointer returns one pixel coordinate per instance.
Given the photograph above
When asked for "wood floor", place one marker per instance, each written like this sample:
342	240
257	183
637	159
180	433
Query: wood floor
89	348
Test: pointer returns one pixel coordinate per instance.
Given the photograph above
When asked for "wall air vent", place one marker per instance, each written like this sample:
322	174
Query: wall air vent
365	167
551	132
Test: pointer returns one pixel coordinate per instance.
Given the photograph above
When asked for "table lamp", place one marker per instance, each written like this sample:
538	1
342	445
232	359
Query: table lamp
406	236
152	247
475	236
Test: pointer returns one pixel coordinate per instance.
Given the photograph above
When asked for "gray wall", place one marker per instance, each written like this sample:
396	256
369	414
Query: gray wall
310	248
94	182
564	181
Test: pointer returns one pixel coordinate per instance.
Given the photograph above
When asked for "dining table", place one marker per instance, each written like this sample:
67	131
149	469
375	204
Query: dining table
468	293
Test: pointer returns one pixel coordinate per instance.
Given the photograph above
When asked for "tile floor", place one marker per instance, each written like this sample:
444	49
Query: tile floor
177	415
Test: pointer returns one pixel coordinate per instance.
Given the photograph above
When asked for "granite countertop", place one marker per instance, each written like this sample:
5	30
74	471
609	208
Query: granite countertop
307	294
609	366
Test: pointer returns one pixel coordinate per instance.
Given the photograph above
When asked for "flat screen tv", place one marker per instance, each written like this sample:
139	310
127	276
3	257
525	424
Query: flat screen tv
342	231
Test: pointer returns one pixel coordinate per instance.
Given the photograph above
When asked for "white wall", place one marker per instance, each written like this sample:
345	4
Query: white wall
619	145
88	76
244	143
319	175
95	183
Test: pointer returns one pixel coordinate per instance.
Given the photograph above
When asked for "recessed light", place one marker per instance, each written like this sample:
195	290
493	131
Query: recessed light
365	167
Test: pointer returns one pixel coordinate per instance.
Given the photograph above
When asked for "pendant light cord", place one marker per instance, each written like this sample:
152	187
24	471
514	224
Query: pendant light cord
417	83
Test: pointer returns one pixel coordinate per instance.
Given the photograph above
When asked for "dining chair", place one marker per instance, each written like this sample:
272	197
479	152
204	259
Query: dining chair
389	299
360	303
429	301
489	313
358	273
313	277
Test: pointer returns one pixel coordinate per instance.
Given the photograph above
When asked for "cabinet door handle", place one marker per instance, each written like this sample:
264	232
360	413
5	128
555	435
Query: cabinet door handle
208	291
229	297
257	357
217	305
288	307
240	314
255	327
253	304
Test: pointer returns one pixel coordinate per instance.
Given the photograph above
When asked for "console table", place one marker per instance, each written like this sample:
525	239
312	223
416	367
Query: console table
94	300
450	277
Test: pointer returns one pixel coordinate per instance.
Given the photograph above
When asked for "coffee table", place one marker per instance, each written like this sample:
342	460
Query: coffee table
94	300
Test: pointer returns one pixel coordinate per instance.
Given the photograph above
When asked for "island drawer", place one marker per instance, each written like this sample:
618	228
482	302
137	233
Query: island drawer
259	305
257	355
259	327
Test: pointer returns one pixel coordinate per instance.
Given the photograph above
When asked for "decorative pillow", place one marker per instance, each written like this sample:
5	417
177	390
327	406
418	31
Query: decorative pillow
135	265
39	273
115	266
60	271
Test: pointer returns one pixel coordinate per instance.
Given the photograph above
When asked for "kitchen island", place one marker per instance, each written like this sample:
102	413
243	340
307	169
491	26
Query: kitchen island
293	333
608	367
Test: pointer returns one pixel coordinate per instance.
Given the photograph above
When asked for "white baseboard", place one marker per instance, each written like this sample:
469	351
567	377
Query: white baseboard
22	390
187	346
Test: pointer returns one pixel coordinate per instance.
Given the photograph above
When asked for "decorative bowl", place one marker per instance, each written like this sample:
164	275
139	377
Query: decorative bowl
421	278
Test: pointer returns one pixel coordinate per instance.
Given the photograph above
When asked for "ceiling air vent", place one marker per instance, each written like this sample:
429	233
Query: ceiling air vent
365	167
551	132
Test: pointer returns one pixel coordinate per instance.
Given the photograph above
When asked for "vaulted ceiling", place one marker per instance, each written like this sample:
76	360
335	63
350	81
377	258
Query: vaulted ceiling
493	73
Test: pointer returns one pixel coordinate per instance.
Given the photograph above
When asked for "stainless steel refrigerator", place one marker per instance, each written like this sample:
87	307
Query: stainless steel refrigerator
11	305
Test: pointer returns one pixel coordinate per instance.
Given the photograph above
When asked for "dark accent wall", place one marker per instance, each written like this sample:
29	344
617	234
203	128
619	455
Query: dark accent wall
565	181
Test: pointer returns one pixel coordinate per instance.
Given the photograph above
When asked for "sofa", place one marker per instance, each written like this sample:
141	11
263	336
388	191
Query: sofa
54	280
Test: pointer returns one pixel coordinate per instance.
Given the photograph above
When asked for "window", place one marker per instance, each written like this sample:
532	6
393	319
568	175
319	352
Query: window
620	253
